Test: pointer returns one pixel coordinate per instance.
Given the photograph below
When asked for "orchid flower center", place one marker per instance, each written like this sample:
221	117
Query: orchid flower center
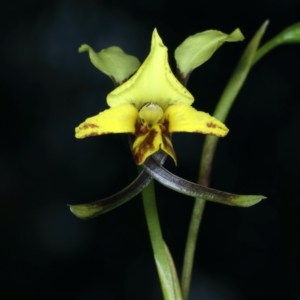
151	114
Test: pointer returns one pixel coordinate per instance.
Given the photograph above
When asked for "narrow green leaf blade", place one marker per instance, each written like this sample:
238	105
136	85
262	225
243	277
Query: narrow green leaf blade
176	284
165	281
290	35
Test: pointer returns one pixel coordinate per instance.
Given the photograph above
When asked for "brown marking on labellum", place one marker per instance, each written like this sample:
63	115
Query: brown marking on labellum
145	146
165	126
168	146
86	126
137	126
141	129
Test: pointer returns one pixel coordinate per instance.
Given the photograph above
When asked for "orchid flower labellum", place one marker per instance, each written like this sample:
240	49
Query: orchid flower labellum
153	104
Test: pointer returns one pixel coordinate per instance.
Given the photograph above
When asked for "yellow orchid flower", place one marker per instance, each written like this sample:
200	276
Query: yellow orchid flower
153	104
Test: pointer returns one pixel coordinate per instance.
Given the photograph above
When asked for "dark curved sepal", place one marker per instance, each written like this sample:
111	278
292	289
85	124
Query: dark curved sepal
99	207
166	178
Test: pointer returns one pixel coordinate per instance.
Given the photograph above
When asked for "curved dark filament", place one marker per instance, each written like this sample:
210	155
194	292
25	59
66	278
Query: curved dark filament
99	207
178	184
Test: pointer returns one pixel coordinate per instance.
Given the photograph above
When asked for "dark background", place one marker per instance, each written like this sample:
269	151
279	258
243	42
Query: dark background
47	89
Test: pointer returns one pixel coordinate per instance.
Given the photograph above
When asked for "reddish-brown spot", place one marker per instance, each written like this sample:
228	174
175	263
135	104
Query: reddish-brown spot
145	146
209	133
211	124
86	126
215	134
163	128
91	134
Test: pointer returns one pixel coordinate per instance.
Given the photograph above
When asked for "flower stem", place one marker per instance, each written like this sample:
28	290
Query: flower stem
224	105
163	260
190	248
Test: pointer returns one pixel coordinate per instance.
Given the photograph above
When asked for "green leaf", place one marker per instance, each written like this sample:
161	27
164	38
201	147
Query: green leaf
176	284
290	35
113	61
166	281
198	48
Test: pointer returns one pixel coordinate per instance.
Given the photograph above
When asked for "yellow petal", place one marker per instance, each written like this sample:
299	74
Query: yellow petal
198	48
148	144
112	61
119	119
184	118
153	82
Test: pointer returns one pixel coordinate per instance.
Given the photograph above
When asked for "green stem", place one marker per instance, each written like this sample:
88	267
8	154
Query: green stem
189	254
224	105
162	257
